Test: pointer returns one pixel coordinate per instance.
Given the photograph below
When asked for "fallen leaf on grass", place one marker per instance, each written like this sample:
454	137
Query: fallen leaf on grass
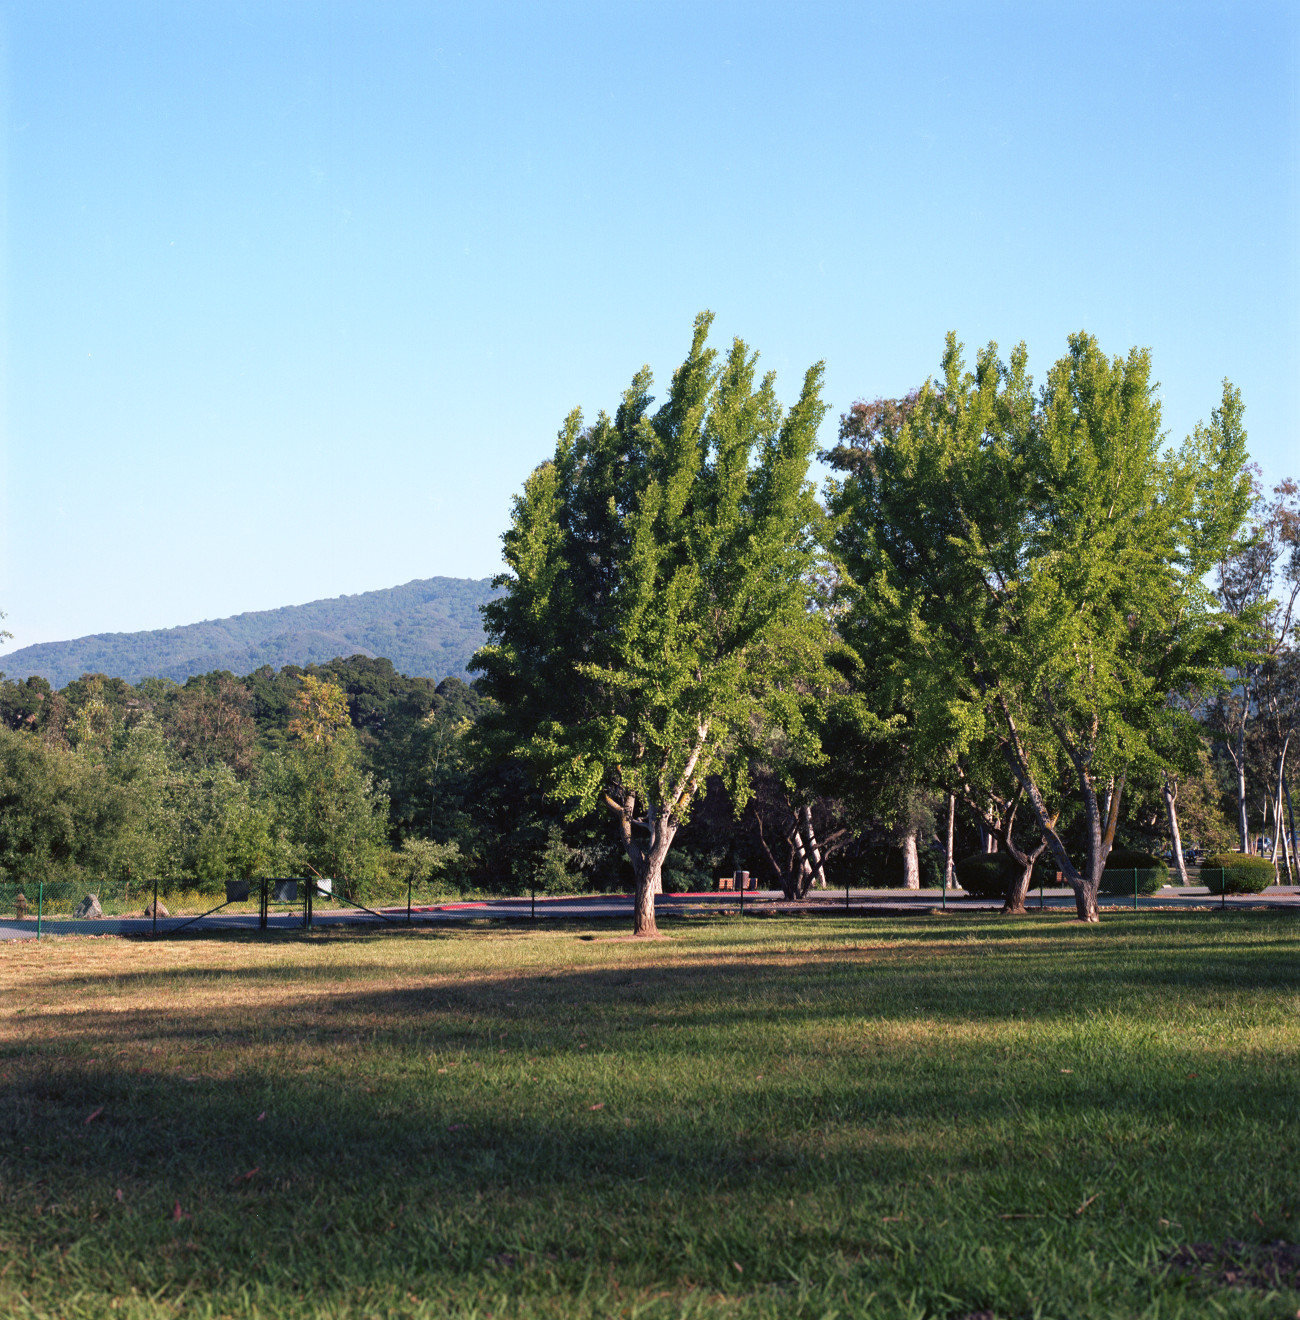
737	1268
455	1127
1020	1216
601	1105
1067	1070
1087	1203
178	1214
117	1195
892	1219
442	1070
94	1114
261	1116
247	1177
1191	1075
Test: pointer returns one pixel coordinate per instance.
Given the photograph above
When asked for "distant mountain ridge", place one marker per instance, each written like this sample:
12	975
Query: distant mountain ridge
428	628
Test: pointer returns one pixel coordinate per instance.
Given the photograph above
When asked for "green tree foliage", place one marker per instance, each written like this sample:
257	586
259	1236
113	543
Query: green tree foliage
330	809
656	619
61	815
1033	570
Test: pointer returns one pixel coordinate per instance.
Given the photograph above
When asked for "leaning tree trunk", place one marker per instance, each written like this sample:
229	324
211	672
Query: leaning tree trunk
1170	791
1013	902
911	865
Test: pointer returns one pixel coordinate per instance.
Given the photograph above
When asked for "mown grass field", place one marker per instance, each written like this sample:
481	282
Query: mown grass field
839	1117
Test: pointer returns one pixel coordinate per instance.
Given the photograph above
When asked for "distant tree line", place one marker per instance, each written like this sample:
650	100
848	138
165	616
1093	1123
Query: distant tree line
1017	623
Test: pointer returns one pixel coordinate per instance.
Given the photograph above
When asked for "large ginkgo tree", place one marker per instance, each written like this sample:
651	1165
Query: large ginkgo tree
656	625
1029	574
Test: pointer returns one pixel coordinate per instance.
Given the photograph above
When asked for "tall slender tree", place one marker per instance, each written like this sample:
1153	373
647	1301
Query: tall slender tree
656	621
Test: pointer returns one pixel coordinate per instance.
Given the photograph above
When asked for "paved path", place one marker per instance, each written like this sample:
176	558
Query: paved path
825	902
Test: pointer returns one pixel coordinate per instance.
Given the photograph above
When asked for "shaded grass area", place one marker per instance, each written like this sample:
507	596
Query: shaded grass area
905	1117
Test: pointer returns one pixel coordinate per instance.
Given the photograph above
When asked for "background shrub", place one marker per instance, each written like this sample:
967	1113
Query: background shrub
987	875
1117	878
1236	873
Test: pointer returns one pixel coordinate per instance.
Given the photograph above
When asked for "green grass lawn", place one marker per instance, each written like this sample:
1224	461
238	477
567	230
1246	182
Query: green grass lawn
840	1117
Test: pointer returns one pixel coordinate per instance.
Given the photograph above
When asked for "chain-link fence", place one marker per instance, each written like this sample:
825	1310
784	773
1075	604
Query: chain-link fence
161	907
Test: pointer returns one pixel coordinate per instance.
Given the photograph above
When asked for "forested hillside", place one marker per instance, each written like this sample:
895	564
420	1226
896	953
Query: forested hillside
428	628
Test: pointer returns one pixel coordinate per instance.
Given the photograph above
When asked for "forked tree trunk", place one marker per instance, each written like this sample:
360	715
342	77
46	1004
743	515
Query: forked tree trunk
815	861
1170	791
911	866
647	858
649	870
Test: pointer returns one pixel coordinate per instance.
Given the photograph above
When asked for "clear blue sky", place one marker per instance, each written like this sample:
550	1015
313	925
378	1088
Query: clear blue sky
296	294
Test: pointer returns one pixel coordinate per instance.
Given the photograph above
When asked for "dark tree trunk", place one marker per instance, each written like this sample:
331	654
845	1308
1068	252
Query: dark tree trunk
1013	903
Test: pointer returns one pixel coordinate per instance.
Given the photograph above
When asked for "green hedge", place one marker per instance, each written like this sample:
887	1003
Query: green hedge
1117	878
1236	873
987	875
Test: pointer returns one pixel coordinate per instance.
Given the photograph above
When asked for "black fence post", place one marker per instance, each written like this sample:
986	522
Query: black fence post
261	912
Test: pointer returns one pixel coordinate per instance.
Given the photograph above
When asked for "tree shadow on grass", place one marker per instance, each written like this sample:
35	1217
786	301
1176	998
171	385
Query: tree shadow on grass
373	1165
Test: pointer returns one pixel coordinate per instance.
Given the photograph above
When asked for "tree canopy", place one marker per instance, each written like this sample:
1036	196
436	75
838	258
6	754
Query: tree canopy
656	619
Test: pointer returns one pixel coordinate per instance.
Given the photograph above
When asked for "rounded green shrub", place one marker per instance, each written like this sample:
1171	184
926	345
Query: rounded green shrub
1117	878
1237	873
987	875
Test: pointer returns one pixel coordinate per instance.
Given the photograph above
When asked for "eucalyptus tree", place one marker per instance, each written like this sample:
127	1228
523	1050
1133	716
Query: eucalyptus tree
1032	569
655	625
1259	583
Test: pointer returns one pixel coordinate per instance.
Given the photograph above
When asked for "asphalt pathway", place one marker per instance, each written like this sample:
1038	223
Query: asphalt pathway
857	902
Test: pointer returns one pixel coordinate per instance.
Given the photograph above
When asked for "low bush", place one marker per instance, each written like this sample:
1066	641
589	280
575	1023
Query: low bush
1117	878
1237	873
987	875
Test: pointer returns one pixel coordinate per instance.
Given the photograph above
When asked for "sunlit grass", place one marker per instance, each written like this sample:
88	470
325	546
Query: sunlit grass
923	1116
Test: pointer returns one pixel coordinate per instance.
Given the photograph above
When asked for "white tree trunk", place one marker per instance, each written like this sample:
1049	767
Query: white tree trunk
949	879
1171	796
911	866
